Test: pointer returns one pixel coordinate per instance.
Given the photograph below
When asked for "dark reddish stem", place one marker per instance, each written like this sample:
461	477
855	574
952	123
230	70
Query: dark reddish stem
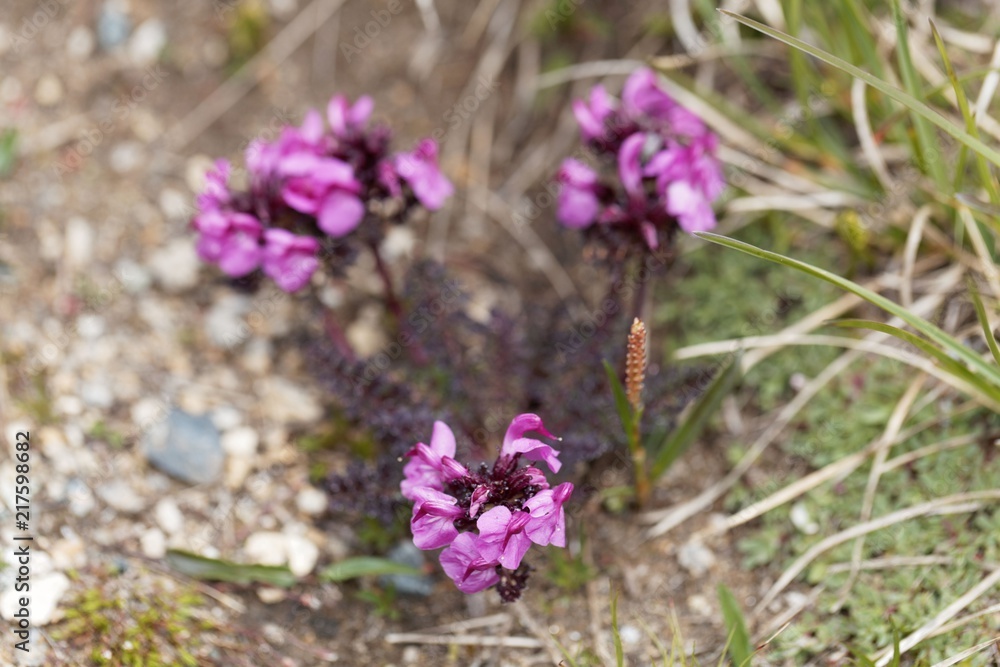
337	337
396	308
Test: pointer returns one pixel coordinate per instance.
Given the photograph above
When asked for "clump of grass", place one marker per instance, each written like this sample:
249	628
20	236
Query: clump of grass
147	624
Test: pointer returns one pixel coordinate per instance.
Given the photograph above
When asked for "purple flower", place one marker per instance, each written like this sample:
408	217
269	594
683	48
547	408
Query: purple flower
643	97
592	117
578	204
533	450
502	536
430	467
231	240
689	206
324	187
464	563
289	260
216	193
548	519
346	119
433	521
667	172
629	166
520	508
420	169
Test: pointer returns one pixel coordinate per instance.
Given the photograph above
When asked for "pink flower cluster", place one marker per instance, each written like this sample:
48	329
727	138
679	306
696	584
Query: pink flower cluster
665	158
312	183
486	519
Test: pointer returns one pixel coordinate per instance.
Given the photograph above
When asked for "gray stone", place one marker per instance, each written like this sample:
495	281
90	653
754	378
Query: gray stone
119	495
225	322
147	42
175	265
186	447
695	558
405	553
81	500
113	25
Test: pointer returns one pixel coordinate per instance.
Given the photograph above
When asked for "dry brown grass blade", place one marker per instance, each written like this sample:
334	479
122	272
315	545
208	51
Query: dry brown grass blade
986	266
538	252
869	147
965	620
263	64
882	447
674	516
943	616
937	506
913	237
969	652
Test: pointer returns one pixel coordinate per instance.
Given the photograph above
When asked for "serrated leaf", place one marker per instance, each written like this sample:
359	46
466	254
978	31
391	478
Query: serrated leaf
211	569
364	566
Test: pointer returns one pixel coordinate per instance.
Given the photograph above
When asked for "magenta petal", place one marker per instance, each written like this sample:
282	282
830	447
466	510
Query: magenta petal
693	212
629	167
590	126
502	537
548	519
535	450
210	247
433	522
340	213
649	234
241	254
576	208
214	223
361	111
288	259
520	425
452	469
442	440
479	496
433	190
467	568
642	96
576	173
336	114
312	127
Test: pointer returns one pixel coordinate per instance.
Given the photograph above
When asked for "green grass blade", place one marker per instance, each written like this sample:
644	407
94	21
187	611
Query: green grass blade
212	569
705	406
904	98
616	636
929	149
622	405
860	657
970	122
946	362
363	566
740	647
930	331
8	151
984	321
